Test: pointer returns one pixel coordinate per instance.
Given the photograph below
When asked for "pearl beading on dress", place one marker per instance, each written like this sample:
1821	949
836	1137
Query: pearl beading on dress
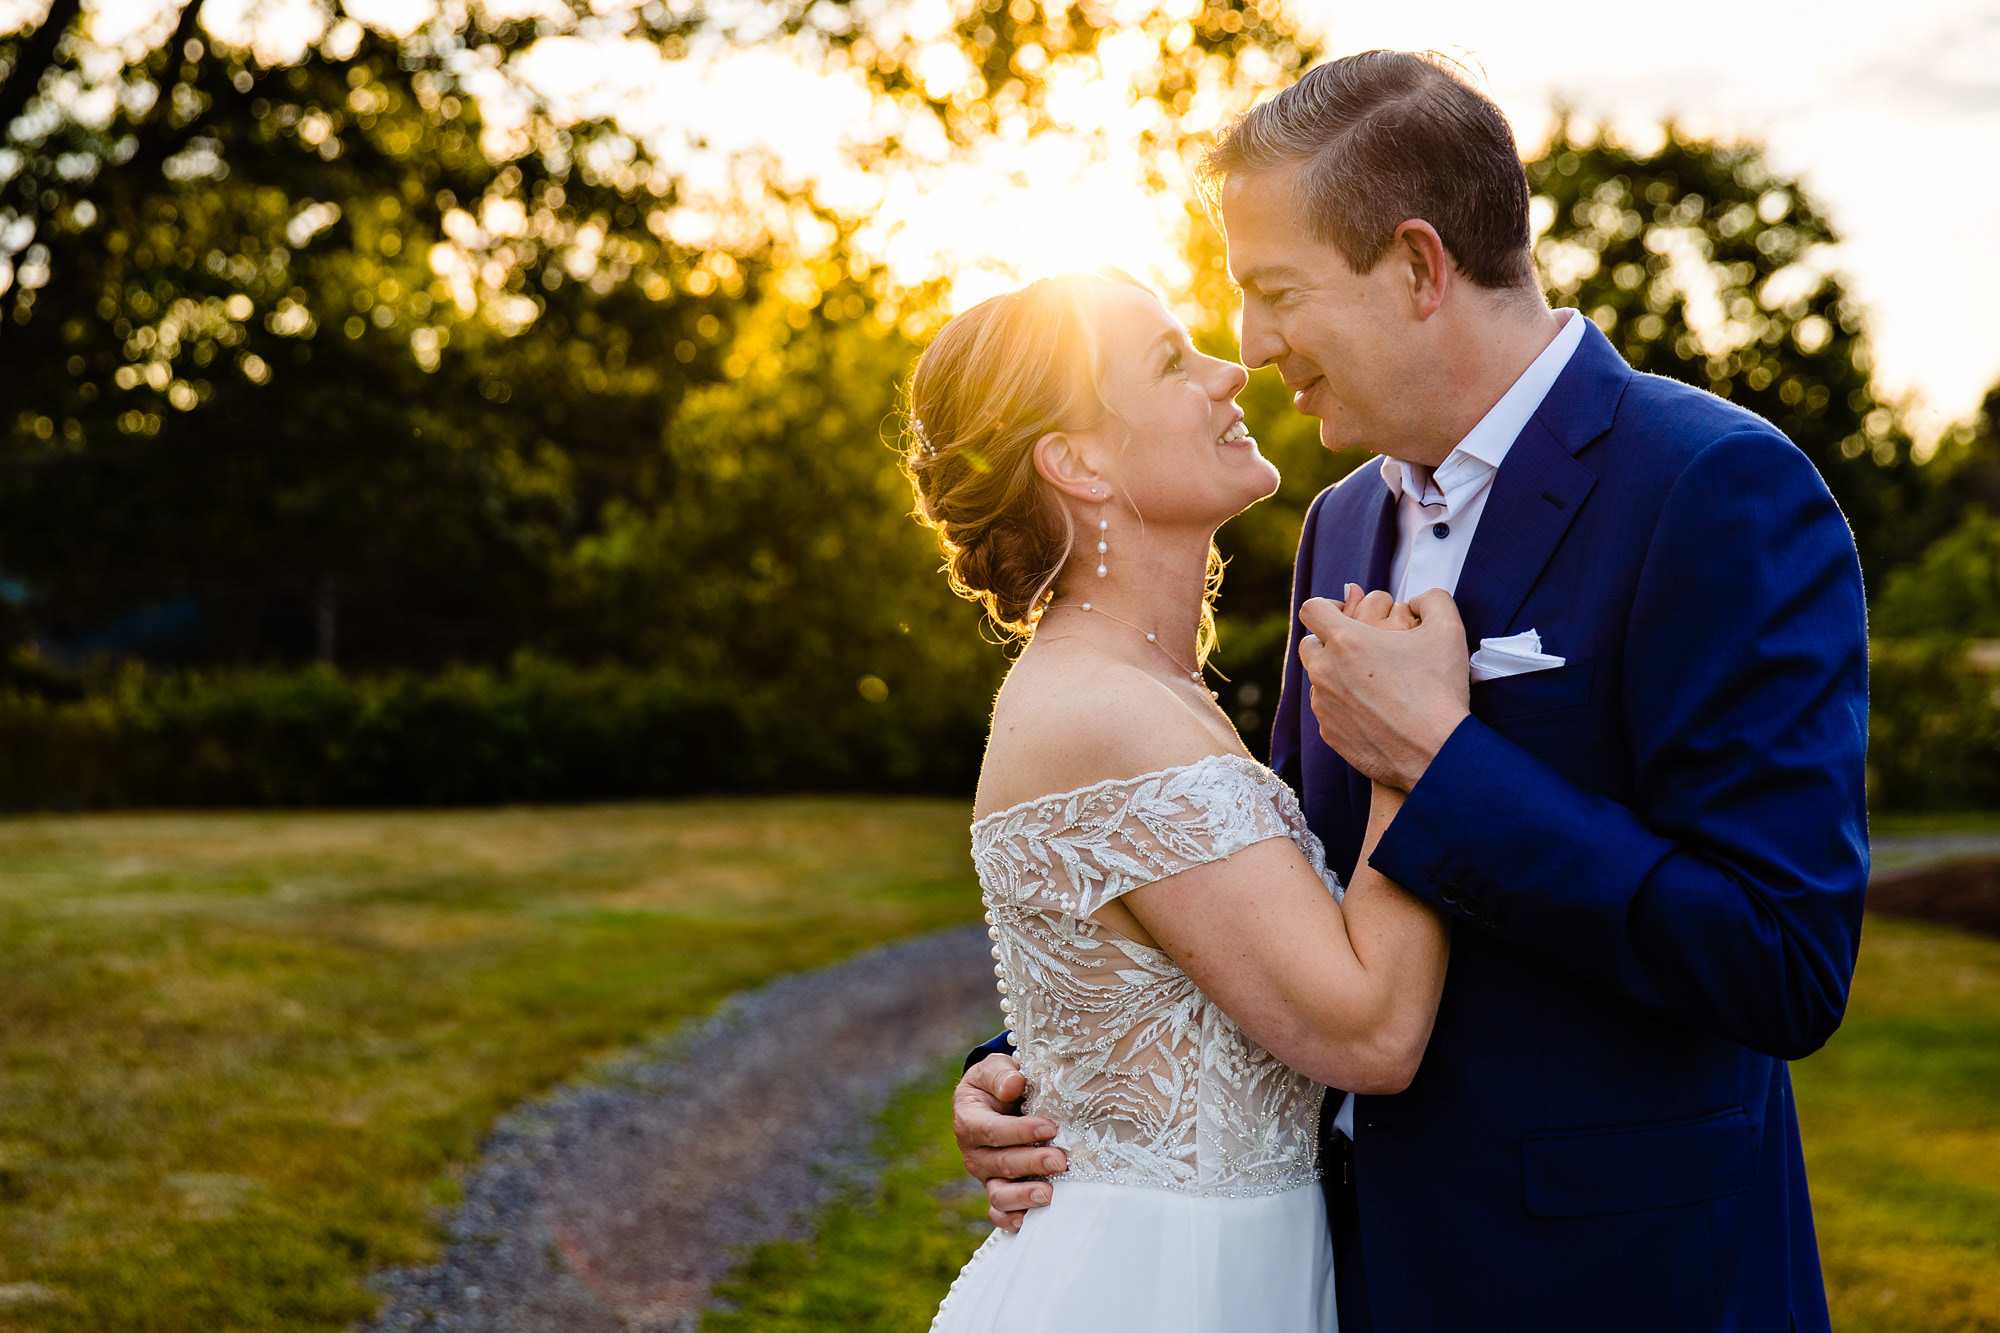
986	1248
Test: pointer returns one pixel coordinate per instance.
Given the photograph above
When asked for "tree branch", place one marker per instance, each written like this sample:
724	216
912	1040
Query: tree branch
36	57
159	140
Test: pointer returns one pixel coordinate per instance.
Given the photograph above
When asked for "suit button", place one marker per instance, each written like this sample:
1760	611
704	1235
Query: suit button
1449	894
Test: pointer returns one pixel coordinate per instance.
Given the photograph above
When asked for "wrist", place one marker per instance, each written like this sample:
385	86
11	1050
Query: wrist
1424	749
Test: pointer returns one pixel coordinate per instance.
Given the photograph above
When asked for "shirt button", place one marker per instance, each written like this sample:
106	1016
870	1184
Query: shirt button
1440	530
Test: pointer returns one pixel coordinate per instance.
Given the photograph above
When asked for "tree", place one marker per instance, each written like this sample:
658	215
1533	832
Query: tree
1953	591
266	331
360	365
1702	264
1965	468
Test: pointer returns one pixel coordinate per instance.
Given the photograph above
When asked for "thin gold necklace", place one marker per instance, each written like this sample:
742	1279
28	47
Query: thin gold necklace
1153	639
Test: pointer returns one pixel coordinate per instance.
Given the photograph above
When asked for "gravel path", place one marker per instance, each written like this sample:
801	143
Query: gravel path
615	1202
612	1205
1909	850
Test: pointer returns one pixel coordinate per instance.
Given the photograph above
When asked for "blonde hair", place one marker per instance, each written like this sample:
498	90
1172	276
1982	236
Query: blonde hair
996	379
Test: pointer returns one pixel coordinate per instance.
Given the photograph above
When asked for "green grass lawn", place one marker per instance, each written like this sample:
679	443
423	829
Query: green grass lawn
1901	1118
243	1058
880	1258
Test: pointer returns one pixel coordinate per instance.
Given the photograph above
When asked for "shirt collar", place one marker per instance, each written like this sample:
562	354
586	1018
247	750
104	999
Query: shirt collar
1485	447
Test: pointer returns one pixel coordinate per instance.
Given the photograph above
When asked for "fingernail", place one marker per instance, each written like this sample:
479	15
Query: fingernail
1049	1163
1038	1196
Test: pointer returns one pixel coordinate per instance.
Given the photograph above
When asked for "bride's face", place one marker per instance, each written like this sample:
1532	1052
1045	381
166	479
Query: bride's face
1174	445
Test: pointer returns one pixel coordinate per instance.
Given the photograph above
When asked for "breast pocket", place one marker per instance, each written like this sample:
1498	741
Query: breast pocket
1567	686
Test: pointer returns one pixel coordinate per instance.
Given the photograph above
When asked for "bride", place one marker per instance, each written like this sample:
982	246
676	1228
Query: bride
1182	974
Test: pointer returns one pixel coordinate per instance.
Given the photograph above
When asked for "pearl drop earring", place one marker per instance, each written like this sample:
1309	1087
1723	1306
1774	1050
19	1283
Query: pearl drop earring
1103	543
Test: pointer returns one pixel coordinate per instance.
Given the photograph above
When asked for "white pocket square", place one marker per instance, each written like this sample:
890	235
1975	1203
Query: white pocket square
1514	655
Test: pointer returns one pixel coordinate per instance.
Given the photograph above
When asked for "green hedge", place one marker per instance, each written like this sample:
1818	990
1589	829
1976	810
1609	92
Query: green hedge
543	731
1934	727
538	731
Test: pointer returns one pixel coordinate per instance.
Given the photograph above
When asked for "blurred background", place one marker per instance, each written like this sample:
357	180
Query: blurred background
417	404
462	404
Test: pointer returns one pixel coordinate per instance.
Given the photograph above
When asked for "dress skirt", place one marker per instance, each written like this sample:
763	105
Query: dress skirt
1107	1258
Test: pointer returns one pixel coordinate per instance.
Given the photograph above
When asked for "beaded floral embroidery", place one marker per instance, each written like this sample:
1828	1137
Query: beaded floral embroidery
1150	1082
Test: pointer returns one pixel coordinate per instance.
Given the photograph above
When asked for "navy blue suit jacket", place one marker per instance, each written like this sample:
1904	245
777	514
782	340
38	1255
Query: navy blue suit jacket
1655	857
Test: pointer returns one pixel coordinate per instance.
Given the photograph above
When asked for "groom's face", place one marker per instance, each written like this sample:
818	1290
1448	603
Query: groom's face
1345	342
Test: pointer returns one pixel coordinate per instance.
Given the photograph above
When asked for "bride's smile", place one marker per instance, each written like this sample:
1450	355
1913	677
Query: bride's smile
1171	442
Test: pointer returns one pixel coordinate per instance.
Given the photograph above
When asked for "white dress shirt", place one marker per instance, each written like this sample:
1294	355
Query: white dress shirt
1437	509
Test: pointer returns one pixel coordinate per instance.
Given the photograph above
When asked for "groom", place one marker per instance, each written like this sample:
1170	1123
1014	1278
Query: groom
1648	824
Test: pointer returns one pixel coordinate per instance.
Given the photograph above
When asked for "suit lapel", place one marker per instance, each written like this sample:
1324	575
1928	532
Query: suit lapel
1540	487
1359	550
1536	495
1383	554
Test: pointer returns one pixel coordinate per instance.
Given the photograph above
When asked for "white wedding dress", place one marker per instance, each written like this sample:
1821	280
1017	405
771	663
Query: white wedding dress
1191	1203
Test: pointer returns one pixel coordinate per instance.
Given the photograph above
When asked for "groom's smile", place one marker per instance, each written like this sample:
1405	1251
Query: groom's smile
1307	313
1365	352
1302	393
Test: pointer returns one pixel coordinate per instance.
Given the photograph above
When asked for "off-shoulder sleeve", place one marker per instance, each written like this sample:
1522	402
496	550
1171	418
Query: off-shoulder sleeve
1076	851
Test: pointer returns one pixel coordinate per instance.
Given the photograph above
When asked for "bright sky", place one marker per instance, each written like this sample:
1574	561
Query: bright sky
1889	112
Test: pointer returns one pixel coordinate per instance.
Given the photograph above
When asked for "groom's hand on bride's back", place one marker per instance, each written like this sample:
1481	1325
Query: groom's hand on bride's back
1386	697
1005	1151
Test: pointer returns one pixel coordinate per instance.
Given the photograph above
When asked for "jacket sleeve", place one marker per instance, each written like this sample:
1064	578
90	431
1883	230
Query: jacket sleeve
1000	1045
1286	739
1729	894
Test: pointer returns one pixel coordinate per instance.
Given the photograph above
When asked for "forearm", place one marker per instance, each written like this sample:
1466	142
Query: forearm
1379	1026
1261	936
1346	995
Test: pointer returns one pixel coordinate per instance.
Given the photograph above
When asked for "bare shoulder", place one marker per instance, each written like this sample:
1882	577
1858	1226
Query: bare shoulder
1067	722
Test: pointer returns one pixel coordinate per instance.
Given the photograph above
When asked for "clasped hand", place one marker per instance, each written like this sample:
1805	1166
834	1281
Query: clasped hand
1390	682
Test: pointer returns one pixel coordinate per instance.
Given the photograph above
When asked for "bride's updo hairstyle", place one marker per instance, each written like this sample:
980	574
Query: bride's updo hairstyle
995	380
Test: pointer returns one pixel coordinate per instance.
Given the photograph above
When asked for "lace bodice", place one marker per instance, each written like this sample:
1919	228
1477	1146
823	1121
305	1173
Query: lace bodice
1150	1083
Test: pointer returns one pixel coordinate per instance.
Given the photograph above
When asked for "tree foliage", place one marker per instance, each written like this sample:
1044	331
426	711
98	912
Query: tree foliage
371	353
288	340
1953	591
1703	264
365	351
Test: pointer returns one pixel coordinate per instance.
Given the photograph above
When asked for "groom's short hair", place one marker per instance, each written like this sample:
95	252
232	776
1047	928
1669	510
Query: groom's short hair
1380	138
